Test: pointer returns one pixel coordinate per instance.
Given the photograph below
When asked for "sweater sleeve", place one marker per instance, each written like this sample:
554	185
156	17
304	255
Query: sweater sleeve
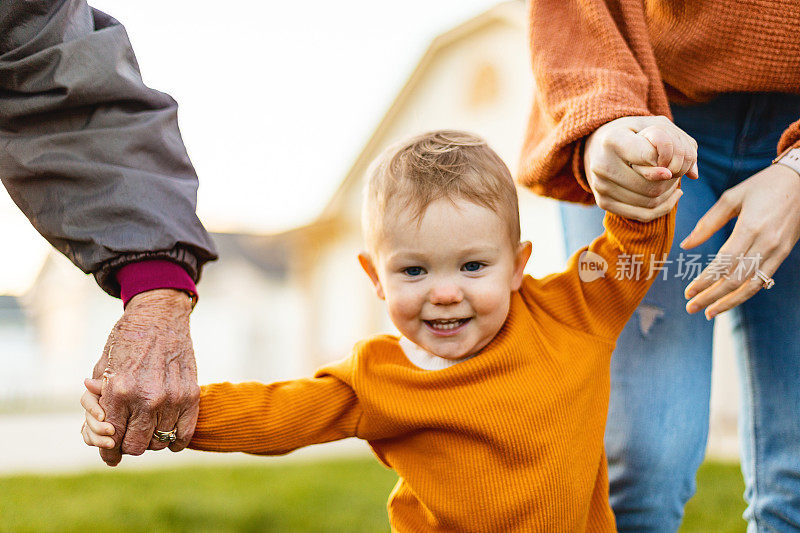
605	282
592	63
275	419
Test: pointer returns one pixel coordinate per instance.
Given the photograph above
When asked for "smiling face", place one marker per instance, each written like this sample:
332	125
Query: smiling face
447	278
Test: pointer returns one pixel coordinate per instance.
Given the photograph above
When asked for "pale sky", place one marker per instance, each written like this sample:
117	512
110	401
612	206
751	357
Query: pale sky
276	100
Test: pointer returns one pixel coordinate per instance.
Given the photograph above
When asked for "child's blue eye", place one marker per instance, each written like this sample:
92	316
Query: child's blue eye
414	271
472	266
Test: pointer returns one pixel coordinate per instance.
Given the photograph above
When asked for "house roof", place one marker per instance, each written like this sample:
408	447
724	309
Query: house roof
267	253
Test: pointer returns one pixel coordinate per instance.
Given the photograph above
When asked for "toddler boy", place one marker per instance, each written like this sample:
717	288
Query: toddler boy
491	406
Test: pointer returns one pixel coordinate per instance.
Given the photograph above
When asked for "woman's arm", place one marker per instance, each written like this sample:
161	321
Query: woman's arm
594	67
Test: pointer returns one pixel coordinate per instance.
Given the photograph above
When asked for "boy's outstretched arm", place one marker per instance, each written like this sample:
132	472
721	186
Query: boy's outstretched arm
605	282
277	418
254	417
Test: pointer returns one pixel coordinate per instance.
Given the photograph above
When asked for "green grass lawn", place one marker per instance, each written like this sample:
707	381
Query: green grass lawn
718	504
337	496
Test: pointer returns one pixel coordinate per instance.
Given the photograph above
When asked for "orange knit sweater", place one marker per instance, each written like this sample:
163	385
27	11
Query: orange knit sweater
598	60
508	440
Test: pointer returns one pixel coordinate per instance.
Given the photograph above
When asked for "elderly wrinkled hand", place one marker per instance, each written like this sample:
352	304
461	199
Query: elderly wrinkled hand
633	165
767	205
149	376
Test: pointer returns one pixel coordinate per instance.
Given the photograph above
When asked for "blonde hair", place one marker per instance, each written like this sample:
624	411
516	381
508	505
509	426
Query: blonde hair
450	164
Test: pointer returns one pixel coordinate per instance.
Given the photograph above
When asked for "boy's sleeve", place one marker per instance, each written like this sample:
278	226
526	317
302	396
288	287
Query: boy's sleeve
605	282
277	418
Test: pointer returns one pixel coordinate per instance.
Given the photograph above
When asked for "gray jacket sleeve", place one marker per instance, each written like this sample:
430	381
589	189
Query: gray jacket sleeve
91	155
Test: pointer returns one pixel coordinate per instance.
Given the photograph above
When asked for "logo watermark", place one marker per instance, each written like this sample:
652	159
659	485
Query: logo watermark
592	266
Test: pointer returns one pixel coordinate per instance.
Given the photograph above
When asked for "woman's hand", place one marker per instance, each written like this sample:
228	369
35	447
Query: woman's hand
633	165
767	205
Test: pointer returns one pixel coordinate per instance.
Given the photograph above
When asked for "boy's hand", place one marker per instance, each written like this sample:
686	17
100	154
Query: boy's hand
633	165
95	432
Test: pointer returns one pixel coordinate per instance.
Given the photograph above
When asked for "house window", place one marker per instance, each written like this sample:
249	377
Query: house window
484	85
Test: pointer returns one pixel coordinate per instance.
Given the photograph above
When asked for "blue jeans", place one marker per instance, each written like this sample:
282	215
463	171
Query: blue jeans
661	368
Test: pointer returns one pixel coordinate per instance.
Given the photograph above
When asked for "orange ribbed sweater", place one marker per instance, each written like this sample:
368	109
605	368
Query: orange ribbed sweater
598	60
508	440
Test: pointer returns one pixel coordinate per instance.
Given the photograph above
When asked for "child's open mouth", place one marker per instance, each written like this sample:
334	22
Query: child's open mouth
447	327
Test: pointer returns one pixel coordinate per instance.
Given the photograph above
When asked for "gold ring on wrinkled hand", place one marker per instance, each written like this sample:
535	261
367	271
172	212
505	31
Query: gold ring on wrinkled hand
766	281
166	436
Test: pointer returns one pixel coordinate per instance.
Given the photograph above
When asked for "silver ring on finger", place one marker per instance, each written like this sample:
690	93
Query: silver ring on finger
166	436
766	281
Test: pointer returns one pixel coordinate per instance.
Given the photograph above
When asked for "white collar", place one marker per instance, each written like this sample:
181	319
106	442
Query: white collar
425	360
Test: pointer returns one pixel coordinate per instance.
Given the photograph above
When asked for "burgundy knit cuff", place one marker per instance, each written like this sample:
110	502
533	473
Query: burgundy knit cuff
135	278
